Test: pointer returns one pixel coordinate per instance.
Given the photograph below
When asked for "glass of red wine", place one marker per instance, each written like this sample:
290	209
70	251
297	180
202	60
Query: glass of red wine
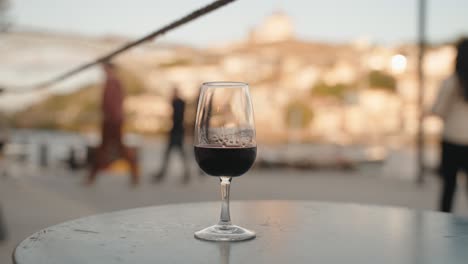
225	147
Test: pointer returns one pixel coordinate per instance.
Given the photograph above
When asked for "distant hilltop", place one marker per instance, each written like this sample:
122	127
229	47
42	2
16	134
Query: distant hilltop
275	28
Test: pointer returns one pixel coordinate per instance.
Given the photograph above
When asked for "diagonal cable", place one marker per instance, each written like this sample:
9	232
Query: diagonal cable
177	23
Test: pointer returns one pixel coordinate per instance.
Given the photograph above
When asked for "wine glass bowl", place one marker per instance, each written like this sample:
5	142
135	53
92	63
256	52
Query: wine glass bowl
225	147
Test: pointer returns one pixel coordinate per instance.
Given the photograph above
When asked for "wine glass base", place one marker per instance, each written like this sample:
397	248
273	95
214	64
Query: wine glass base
225	233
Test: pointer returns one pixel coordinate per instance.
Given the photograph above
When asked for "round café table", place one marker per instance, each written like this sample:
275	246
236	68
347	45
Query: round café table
287	232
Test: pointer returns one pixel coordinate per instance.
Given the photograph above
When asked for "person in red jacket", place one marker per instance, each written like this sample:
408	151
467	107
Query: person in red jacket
112	122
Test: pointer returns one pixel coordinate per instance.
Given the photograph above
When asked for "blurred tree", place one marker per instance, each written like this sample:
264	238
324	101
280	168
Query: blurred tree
176	62
4	21
77	111
336	90
382	80
298	114
132	84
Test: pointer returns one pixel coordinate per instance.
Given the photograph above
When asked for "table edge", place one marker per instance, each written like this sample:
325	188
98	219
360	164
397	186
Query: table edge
316	202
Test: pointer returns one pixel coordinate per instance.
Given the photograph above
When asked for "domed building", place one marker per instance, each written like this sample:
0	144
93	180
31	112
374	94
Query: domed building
275	28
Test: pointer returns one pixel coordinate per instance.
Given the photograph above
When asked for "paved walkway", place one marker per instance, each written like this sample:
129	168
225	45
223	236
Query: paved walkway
37	199
32	199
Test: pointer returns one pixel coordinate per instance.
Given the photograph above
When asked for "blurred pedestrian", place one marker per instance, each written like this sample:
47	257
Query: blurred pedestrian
4	135
111	146
3	140
451	106
72	160
176	138
3	231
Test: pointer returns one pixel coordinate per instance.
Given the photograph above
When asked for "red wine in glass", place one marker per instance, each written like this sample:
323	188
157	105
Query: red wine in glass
225	161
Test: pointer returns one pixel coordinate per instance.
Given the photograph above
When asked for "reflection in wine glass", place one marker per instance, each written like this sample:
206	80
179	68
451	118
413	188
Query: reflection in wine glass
224	252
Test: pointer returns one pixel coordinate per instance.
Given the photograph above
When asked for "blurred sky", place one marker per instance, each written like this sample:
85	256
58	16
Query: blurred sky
383	21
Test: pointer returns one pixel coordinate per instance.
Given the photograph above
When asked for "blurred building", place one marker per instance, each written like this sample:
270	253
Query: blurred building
275	28
331	90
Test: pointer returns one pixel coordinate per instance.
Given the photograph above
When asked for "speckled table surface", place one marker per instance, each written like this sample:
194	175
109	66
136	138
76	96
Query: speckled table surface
287	232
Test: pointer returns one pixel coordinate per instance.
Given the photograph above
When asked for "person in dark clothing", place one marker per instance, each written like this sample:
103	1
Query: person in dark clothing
3	229
3	173
3	233
176	138
452	107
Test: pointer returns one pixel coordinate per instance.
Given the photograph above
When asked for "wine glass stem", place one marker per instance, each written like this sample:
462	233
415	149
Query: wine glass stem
225	218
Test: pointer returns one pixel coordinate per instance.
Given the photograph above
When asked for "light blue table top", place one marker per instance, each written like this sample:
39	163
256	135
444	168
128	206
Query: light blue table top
287	232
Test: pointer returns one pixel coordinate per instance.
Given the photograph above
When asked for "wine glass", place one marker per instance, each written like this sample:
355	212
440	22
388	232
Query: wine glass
225	147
